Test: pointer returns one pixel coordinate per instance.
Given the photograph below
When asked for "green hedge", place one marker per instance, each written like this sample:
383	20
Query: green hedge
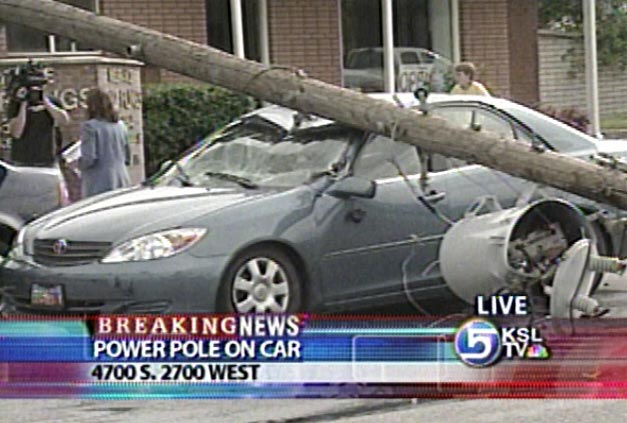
176	116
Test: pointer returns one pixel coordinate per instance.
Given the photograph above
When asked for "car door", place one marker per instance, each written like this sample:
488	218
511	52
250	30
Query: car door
367	242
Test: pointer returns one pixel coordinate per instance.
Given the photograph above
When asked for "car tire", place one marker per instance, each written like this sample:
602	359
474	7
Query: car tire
6	239
261	280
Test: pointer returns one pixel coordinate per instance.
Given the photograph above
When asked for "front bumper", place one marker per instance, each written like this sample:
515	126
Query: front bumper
180	284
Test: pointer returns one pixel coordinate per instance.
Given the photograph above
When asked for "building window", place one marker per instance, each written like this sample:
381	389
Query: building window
23	39
421	38
219	28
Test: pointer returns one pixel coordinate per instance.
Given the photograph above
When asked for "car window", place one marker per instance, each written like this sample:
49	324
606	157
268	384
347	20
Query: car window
479	120
488	122
409	58
376	159
458	116
558	135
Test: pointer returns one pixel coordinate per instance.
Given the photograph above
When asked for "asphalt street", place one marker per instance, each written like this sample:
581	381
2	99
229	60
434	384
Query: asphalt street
305	411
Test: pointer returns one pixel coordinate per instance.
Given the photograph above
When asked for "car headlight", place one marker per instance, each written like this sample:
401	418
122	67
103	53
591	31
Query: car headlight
155	246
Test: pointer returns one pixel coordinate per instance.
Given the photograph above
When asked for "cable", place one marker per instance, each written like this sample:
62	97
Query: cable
410	298
416	195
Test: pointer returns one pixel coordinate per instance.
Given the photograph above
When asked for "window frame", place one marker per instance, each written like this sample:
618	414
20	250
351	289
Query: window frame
51	42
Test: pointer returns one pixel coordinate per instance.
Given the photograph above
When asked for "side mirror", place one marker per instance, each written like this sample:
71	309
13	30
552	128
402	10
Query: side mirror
353	186
165	165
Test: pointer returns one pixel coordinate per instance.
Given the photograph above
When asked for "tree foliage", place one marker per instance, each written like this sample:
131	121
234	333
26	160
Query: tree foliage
567	15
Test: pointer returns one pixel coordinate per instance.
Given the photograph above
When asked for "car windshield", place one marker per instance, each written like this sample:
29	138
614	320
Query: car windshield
258	154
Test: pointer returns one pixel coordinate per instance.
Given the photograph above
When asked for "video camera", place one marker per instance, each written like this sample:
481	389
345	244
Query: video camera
31	76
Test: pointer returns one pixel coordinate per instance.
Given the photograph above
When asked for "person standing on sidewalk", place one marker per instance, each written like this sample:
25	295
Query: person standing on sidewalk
465	78
105	151
33	125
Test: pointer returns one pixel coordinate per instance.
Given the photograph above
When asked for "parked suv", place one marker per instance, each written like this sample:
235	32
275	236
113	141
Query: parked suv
26	193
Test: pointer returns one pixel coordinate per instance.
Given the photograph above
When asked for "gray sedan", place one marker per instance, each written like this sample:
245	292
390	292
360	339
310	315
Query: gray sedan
277	212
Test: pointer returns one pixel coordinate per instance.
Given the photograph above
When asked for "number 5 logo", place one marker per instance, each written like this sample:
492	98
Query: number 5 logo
478	343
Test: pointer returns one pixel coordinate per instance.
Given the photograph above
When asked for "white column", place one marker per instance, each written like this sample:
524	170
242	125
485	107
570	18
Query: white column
457	55
592	77
388	46
237	28
52	44
264	42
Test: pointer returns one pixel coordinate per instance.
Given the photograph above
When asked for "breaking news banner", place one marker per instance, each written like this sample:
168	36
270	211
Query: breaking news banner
496	353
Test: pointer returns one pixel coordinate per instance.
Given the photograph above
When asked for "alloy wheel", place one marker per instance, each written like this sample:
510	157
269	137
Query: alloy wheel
260	286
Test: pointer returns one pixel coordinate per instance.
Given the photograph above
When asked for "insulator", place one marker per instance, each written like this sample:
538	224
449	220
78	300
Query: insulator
586	305
606	264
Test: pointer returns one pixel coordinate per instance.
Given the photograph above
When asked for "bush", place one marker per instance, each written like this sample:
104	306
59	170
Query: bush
177	116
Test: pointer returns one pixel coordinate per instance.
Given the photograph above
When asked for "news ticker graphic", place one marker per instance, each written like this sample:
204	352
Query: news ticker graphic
271	356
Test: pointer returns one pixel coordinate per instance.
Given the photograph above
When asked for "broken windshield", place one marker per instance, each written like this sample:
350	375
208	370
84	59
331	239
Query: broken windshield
254	155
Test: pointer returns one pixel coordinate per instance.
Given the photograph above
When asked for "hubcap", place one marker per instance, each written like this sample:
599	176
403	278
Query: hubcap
260	292
260	286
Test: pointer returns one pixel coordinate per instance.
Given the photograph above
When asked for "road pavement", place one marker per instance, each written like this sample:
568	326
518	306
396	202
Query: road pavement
310	411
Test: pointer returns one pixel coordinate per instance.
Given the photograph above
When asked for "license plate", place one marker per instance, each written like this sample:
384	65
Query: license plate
46	295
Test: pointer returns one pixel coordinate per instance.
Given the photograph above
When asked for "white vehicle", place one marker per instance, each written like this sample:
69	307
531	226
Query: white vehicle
413	66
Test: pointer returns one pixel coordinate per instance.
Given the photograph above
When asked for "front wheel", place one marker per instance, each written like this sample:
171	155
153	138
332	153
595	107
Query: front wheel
263	280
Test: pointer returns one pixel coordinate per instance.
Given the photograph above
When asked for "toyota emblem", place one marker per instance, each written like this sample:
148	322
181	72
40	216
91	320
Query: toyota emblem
59	247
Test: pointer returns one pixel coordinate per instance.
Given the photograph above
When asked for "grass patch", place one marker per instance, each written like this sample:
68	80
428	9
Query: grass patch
615	121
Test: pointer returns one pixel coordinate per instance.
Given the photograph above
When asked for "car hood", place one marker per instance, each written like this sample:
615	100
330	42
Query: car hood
126	214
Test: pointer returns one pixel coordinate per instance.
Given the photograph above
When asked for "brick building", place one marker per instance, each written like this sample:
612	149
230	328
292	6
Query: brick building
499	36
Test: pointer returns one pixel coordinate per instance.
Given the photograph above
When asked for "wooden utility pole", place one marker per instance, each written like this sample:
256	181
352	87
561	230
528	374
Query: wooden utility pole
290	88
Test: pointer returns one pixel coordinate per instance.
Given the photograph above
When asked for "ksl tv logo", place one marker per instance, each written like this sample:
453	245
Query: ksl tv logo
479	343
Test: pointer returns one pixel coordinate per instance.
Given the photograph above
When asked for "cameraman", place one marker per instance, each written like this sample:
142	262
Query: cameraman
33	117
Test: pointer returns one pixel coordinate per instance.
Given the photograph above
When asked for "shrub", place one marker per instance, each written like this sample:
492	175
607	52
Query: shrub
177	116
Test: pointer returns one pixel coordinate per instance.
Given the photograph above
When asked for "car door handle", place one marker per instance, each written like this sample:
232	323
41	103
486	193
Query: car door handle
356	215
435	197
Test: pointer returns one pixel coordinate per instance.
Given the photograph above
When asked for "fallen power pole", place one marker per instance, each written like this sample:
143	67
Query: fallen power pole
290	88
